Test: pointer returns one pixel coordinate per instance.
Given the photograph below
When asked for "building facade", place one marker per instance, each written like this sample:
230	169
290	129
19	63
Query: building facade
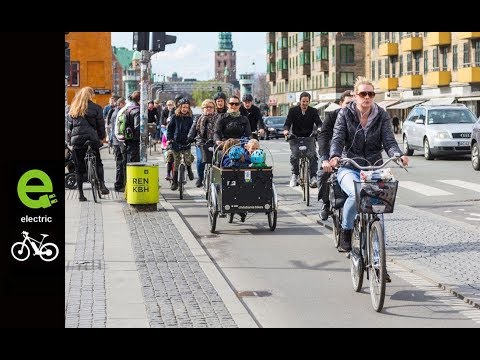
323	64
121	68
90	64
226	60
413	67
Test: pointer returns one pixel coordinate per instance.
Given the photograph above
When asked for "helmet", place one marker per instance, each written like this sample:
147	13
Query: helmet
220	95
177	98
258	156
183	101
235	153
247	97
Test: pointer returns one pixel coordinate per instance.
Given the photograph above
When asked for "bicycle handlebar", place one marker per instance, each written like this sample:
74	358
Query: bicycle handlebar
292	136
394	158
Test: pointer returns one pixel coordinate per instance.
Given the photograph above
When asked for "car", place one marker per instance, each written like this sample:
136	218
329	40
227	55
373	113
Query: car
475	145
274	126
438	130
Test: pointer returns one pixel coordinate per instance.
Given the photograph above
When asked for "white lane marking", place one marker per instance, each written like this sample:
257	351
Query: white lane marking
462	184
423	189
472	219
473	214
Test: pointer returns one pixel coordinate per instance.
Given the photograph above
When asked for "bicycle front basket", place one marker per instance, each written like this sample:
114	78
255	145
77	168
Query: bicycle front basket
207	153
375	197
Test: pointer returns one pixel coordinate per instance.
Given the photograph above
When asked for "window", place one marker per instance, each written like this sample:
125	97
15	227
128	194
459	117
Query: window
379	69
347	54
466	53
333	53
455	57
409	63
400	61
444	51
373	70
477	53
284	64
324	53
347	78
416	58
425	61
270	48
387	74
387	37
393	62
373	40
379	38
74	74
435	58
325	80
349	34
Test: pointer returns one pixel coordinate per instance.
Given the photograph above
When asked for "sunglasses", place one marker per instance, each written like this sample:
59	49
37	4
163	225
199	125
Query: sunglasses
363	94
234	104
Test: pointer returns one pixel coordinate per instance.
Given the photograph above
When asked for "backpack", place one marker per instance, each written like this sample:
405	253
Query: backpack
121	124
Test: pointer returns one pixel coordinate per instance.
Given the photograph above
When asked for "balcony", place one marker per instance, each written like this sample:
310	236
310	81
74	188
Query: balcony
304	70
282	54
468	35
282	75
271	37
413	43
470	74
388	83
324	65
411	81
388	49
439	38
272	76
438	77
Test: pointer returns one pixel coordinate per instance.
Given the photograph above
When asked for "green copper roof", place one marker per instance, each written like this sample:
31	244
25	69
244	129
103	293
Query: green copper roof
225	41
124	56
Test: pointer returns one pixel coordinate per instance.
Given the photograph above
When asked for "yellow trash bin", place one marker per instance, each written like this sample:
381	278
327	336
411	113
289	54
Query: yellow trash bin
142	183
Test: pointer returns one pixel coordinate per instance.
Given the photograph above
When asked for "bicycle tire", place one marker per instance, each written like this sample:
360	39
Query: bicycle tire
356	259
377	272
307	182
337	226
212	211
92	179
272	219
18	254
181	179
206	180
51	253
230	217
302	178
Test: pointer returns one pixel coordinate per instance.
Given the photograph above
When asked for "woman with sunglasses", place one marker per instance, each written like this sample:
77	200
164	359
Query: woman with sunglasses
233	125
362	130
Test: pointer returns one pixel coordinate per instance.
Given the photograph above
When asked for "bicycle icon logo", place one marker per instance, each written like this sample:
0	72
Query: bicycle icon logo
21	251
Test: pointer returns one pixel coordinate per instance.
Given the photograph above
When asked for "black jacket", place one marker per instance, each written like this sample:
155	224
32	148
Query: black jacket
90	127
177	130
325	135
302	125
350	140
232	127
254	116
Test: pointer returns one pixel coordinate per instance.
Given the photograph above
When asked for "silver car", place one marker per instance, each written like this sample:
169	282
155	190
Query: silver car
438	130
475	144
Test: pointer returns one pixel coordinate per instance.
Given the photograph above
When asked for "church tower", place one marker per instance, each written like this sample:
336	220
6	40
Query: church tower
225	59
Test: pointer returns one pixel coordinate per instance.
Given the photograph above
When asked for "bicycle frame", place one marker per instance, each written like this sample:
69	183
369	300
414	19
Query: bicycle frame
33	242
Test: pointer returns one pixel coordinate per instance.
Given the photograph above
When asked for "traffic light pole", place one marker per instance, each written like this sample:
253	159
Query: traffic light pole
144	87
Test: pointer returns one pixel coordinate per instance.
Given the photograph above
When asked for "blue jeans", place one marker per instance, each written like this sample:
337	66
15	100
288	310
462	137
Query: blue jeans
200	164
346	177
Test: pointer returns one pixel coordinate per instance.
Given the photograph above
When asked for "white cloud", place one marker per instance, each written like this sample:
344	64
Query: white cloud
179	53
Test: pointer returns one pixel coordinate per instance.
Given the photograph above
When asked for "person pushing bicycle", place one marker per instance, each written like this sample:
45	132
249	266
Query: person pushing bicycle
362	130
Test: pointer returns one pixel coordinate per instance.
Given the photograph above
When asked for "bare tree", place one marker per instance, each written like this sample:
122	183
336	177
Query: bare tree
261	89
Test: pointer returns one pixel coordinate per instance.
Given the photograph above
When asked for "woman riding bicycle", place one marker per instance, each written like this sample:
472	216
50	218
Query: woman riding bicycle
233	125
362	131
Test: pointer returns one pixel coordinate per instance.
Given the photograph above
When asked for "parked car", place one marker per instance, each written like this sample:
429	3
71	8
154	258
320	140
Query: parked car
438	130
475	145
274	126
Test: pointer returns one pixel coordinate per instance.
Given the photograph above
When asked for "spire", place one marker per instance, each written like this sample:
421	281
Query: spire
225	41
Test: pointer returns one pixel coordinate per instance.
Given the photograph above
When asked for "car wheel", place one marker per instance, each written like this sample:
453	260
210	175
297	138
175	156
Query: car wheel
426	148
476	156
406	149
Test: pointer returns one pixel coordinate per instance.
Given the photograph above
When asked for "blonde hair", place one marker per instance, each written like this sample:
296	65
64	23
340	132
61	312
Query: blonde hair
80	102
229	143
170	102
361	80
209	101
252	145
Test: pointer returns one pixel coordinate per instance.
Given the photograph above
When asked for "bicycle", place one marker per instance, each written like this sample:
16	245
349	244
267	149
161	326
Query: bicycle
207	156
152	129
21	252
92	176
373	197
301	144
337	198
182	179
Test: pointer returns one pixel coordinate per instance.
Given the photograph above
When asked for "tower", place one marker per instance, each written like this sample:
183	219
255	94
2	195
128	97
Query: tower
225	59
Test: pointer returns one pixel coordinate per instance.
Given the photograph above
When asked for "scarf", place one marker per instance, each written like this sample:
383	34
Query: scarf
233	114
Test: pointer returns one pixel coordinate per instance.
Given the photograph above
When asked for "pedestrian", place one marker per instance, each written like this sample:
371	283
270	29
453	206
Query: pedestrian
324	140
132	128
119	150
300	121
395	123
86	123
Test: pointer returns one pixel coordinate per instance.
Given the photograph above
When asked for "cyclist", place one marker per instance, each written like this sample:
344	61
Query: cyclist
202	131
301	119
362	130
253	114
324	139
221	102
85	122
233	125
177	131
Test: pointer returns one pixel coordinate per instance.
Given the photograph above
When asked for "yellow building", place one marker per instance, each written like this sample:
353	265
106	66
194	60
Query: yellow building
91	64
413	67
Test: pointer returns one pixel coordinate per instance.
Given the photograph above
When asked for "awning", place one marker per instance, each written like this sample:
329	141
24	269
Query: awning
472	98
383	104
404	105
321	105
332	107
440	101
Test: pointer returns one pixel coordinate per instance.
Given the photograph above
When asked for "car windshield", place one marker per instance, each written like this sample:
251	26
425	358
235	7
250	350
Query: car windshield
275	121
451	116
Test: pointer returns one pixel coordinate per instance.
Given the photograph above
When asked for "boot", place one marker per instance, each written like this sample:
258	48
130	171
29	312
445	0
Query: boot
103	188
345	240
174	181
325	210
190	172
169	171
81	197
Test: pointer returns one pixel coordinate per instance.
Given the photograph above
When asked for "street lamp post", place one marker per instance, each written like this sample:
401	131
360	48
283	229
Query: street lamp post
144	86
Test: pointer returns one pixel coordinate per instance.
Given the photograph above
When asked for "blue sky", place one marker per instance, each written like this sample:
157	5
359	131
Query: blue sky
192	56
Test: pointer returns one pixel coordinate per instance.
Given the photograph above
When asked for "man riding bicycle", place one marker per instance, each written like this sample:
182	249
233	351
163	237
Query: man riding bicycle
362	130
301	119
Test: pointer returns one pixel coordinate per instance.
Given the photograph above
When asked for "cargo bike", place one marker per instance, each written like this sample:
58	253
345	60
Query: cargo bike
241	190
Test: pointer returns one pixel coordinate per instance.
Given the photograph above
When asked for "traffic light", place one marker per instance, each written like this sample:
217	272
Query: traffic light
219	88
160	39
67	60
141	41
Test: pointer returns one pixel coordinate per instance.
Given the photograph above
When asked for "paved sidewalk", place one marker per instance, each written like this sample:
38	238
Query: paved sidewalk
139	269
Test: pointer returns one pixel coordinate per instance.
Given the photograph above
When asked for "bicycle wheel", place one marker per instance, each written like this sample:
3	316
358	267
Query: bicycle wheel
181	179
230	217
92	179
272	219
337	225
356	259
70	181
206	180
49	252
212	209
20	251
307	182
377	265
302	177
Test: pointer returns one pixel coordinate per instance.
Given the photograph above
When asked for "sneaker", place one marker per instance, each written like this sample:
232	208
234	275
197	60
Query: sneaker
82	198
325	211
199	183
168	177
345	241
294	180
313	182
